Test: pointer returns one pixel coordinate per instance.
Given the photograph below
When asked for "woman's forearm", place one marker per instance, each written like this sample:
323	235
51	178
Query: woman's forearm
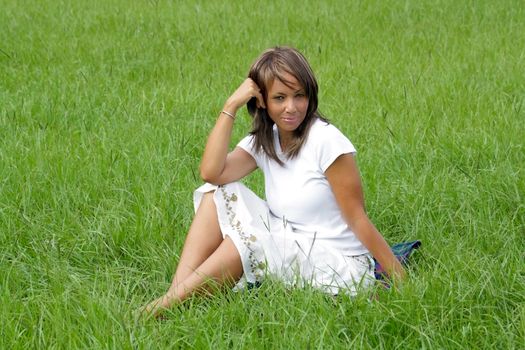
379	248
345	181
214	156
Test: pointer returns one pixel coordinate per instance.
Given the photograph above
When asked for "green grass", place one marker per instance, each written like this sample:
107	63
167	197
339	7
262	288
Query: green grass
104	111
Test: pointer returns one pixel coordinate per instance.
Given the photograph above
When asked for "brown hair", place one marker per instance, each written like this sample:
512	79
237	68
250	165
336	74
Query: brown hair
272	64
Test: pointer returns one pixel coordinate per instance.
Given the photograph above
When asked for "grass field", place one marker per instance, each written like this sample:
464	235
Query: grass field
104	111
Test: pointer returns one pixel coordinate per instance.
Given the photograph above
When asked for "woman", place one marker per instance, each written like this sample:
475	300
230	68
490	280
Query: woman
312	228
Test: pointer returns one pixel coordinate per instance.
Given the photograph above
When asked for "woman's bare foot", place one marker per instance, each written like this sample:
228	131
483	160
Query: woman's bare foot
156	307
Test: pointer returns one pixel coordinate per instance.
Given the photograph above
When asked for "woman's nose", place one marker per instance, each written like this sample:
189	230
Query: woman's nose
290	105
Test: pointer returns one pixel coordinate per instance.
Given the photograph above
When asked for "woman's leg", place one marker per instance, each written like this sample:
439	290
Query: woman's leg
223	267
203	238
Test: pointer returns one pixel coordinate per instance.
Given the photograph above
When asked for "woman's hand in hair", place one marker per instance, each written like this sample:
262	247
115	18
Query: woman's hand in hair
244	93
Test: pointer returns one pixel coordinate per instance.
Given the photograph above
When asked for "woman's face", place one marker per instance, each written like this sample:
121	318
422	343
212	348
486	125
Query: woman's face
287	104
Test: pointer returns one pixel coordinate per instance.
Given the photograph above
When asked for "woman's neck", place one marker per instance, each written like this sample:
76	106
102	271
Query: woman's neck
285	138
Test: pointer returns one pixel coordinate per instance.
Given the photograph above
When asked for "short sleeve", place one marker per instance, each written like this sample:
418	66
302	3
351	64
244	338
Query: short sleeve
247	145
333	143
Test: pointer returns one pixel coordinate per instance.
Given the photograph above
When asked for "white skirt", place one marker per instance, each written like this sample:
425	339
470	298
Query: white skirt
269	246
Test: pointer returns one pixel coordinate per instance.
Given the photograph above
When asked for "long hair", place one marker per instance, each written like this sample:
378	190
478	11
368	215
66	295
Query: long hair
275	63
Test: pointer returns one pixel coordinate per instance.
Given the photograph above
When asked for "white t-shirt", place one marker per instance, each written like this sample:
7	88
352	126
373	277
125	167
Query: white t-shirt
299	192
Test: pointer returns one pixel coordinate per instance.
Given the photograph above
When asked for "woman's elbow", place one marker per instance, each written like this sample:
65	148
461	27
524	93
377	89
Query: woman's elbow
208	176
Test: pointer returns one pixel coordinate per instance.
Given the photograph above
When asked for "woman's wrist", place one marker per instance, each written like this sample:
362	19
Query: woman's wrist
231	115
229	110
230	107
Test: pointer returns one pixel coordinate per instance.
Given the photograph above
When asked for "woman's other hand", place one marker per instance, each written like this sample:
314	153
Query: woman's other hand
244	93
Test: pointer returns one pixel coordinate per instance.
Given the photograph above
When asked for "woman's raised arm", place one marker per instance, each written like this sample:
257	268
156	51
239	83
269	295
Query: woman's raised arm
217	165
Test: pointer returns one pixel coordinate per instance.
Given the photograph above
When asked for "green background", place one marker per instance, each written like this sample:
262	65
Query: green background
104	111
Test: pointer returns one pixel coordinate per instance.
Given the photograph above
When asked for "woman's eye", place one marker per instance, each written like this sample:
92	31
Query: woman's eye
278	98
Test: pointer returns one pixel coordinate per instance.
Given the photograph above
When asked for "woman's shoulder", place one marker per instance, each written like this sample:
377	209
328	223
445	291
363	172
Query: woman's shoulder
327	141
323	130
